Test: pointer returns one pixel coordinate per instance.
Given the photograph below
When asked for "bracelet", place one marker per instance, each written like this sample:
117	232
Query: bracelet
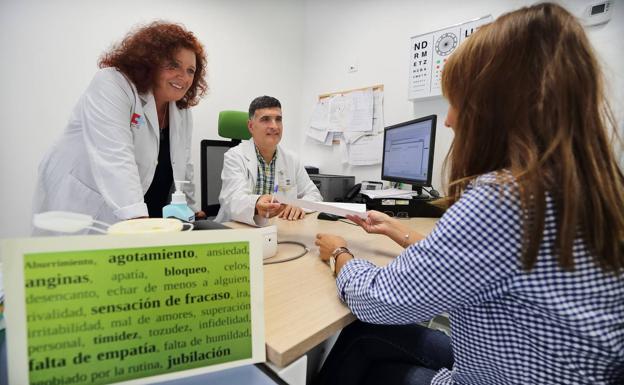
406	240
334	257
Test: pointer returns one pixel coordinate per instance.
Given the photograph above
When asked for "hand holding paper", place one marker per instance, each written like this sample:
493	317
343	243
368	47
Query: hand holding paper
338	208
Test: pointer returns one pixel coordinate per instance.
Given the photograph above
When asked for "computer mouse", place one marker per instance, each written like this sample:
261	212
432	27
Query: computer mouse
328	216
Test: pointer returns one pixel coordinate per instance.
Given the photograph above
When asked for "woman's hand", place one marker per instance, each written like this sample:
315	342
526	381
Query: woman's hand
376	222
327	243
380	223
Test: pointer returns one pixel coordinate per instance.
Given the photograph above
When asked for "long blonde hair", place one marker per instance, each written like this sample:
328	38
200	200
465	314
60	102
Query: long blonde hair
530	99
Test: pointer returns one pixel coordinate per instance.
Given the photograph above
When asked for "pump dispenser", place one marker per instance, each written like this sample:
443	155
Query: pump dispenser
178	207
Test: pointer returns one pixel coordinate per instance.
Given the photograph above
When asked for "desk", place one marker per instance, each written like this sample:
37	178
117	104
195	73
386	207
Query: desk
301	306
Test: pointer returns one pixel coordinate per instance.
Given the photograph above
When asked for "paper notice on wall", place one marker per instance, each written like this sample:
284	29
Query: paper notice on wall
319	135
365	151
429	53
320	116
103	309
378	119
337	117
359	111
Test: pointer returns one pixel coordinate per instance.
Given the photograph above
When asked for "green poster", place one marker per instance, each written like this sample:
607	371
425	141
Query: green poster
109	315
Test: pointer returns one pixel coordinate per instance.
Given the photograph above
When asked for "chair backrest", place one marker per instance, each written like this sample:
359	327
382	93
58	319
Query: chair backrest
212	152
233	125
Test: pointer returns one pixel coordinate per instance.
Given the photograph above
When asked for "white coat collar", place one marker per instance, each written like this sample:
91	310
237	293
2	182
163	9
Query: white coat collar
149	109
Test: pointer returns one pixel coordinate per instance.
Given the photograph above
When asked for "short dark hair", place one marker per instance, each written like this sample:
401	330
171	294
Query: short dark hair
263	102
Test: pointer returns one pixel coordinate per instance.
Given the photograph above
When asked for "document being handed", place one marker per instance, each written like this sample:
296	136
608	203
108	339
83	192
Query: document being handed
337	208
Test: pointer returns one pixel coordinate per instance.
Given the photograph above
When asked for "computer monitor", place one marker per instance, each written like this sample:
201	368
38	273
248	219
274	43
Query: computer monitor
212	152
408	152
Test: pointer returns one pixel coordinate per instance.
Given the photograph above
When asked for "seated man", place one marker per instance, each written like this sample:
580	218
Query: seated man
253	169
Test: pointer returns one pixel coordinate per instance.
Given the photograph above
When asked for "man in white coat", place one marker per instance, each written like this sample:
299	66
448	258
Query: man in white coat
258	171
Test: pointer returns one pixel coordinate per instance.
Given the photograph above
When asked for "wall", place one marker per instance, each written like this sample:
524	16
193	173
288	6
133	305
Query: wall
292	49
374	35
50	50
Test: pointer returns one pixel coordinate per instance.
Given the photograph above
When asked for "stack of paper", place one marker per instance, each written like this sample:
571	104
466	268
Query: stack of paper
389	193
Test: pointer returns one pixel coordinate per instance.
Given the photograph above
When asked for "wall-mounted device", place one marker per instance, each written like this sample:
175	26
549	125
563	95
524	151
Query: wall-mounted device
598	12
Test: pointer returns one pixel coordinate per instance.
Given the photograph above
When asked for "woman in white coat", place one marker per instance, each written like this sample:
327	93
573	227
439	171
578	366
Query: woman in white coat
129	136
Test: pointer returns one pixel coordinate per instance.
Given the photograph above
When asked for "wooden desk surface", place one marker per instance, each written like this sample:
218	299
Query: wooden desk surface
301	305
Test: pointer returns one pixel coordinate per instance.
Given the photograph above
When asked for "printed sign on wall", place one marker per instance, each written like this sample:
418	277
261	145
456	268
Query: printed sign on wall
429	52
104	309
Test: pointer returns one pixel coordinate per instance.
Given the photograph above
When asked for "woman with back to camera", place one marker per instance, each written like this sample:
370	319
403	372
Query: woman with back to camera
129	136
528	260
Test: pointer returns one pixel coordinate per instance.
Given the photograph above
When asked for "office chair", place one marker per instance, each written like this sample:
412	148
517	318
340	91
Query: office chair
233	125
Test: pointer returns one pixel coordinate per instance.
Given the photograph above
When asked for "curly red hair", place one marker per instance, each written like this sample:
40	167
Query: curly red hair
143	51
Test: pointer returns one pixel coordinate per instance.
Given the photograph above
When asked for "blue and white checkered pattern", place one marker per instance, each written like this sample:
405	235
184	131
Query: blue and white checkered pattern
508	326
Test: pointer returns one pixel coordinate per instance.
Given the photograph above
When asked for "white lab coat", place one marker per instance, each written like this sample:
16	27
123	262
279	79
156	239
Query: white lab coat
239	175
104	162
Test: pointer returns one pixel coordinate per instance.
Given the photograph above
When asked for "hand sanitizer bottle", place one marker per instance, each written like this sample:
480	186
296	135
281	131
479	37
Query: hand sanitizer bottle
178	207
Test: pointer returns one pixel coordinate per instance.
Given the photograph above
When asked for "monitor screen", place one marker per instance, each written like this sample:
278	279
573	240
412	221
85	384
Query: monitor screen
408	151
212	152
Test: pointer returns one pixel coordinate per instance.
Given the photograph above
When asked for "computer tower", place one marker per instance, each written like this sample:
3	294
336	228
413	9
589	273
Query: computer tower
333	187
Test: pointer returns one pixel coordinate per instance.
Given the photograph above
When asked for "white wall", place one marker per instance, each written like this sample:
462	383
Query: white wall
50	51
374	35
291	49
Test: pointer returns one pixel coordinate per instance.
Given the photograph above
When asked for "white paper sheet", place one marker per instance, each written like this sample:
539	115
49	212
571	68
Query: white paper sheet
320	115
337	208
359	111
351	137
378	120
389	193
318	135
329	140
366	151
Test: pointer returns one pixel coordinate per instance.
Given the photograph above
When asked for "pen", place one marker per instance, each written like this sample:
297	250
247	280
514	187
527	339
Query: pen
272	198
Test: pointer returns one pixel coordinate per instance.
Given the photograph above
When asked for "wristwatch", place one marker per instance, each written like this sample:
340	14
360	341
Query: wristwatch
334	256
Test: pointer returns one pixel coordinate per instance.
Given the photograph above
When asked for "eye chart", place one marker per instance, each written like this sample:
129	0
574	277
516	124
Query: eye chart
429	52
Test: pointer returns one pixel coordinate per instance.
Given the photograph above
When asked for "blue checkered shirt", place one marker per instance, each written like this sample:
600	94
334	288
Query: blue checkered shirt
266	174
508	326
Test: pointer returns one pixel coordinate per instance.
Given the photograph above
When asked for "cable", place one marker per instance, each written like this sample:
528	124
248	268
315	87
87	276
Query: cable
305	251
432	192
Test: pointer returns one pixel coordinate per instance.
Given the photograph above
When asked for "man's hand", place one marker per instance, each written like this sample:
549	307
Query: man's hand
292	213
265	208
